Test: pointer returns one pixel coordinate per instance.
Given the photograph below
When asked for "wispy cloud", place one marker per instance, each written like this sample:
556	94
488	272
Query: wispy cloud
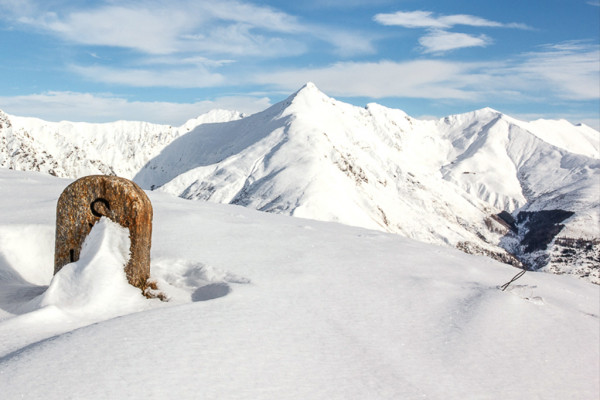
410	19
346	43
226	27
565	71
569	70
427	19
431	79
56	106
343	4
185	60
250	14
163	27
197	77
438	39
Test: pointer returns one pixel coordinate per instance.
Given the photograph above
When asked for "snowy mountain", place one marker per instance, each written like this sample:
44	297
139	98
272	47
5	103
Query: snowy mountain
483	182
264	306
313	157
553	193
75	149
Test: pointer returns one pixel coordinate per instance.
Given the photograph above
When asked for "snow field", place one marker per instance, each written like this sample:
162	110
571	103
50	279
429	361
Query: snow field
272	307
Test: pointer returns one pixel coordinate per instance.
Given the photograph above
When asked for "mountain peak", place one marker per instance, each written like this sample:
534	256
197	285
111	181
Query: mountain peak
306	98
487	110
310	86
309	92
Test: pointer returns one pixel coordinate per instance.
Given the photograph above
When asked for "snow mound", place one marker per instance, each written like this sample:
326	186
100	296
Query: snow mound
96	284
30	246
92	289
184	280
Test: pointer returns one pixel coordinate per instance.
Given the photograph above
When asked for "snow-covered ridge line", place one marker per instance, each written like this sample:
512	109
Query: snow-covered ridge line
312	156
73	149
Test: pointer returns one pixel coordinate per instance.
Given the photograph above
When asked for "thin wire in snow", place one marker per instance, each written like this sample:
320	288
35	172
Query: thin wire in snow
517	276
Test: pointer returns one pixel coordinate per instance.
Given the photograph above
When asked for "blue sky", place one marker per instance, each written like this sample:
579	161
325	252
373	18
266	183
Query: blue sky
170	60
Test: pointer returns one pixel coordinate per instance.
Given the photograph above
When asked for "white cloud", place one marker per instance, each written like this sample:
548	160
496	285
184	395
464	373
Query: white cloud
468	20
240	40
471	20
252	15
18	7
152	31
420	79
164	27
344	4
410	19
569	70
346	43
71	106
198	77
190	60
563	72
440	41
426	19
160	27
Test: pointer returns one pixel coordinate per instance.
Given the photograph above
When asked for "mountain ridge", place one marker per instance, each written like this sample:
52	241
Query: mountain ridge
312	156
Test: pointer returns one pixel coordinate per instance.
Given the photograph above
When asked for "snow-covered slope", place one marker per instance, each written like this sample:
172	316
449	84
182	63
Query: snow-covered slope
494	157
270	307
581	139
311	156
553	192
314	157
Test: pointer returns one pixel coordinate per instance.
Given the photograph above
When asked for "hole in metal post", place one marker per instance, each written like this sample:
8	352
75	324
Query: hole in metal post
99	207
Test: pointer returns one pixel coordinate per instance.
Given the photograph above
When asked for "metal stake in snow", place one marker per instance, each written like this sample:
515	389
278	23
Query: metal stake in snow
85	201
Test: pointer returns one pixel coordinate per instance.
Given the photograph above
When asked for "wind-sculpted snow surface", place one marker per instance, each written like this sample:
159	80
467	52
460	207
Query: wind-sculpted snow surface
311	156
266	306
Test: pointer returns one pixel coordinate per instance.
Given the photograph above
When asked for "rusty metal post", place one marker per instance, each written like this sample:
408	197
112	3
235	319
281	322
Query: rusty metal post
85	201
